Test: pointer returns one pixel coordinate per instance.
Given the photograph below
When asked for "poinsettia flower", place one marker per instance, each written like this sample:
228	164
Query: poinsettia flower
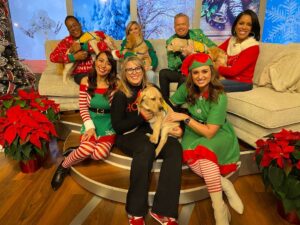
298	165
2	141
31	95
10	134
286	135
266	160
279	150
261	144
6	97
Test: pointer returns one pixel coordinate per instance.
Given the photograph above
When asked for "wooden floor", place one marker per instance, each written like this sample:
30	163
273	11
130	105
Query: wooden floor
29	199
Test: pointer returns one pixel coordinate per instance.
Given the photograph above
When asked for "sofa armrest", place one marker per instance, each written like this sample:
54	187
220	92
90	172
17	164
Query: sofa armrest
51	84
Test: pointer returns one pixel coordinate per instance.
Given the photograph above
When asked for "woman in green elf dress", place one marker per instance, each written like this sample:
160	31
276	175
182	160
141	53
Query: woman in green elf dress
210	145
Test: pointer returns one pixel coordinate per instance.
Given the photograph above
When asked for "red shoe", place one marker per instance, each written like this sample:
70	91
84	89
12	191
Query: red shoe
163	220
133	220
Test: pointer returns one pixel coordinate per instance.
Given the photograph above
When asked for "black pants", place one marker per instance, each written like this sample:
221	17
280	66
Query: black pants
235	86
166	76
142	151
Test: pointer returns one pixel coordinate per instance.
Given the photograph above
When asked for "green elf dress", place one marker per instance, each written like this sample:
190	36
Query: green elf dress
223	148
101	120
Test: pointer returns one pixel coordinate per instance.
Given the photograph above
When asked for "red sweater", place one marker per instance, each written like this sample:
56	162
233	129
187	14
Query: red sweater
240	66
59	54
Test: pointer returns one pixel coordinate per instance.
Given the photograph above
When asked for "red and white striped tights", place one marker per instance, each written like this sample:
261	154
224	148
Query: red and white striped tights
95	150
210	173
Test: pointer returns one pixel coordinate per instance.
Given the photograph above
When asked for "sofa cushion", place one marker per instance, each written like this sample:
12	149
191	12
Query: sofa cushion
66	104
282	73
266	107
51	84
251	132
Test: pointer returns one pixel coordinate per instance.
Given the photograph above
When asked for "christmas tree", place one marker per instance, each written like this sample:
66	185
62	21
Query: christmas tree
13	74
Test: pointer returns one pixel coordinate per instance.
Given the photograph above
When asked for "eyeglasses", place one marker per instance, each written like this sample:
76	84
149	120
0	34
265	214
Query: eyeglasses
134	70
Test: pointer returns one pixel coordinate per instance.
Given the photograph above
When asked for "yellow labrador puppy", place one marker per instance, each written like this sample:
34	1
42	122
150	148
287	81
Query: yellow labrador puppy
151	99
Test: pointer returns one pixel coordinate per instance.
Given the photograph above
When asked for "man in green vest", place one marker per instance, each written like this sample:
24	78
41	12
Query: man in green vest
182	31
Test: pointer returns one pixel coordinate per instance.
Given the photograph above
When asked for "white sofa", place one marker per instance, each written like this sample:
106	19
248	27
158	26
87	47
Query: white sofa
253	114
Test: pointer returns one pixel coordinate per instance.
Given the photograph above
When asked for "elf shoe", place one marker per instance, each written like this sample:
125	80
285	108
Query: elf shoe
59	176
221	212
135	220
233	198
163	220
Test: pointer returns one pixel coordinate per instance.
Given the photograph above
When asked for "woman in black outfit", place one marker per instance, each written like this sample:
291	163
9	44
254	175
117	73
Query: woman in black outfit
131	129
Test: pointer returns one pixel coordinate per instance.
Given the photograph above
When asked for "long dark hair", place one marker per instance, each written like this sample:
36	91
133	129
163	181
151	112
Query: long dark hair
111	77
215	88
255	30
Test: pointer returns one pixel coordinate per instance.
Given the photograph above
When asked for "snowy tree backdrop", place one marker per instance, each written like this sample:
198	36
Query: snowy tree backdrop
41	20
282	21
35	23
110	16
157	16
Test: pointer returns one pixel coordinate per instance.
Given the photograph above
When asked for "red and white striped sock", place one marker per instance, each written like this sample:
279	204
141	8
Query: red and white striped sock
101	151
85	149
210	172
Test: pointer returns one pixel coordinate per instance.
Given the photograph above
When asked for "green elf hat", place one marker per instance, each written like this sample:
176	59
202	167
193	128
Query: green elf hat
195	60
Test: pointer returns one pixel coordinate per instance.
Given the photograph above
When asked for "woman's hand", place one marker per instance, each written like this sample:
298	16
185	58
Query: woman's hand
176	132
147	115
176	117
88	134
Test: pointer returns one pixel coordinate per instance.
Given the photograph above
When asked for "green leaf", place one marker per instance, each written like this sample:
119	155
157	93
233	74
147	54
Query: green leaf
258	159
276	177
293	187
265	177
288	205
298	213
21	103
296	154
288	168
27	149
8	103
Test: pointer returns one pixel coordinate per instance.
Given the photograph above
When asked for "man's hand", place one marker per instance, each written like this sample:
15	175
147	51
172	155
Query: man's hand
185	51
80	56
75	47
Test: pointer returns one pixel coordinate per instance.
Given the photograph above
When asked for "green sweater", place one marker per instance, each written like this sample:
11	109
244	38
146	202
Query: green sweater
151	51
174	60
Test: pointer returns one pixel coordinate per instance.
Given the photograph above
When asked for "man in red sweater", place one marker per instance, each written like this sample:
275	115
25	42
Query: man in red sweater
71	50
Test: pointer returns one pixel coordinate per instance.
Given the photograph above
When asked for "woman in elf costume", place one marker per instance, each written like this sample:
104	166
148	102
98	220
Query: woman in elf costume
98	136
210	145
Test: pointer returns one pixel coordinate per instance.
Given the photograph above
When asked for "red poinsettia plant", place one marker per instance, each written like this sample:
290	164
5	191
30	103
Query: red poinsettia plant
26	124
278	157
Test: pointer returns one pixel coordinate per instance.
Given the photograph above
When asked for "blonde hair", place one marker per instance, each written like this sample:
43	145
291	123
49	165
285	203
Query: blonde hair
123	86
130	24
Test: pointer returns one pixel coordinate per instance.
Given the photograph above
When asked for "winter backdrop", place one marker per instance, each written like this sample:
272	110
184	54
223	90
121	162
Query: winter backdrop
43	20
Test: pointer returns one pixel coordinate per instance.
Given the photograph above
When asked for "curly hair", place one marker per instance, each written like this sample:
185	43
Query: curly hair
111	77
215	88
